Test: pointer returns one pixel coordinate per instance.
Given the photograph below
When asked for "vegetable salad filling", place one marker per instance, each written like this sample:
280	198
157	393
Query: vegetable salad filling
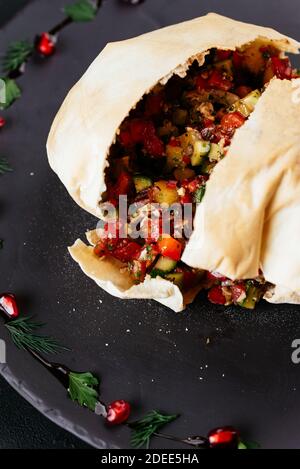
164	154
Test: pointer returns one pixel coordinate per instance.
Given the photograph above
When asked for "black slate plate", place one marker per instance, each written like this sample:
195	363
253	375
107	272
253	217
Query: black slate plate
143	352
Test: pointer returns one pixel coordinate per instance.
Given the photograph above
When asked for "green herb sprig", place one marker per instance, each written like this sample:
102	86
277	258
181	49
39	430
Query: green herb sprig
23	333
17	54
82	389
81	11
11	92
4	166
144	429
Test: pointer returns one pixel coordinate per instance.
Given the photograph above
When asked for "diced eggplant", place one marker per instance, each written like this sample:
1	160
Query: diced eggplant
164	193
142	182
182	174
180	117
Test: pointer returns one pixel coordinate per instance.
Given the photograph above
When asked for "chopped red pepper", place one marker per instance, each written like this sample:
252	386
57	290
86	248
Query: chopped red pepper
223	54
201	83
170	247
232	120
217	80
238	292
154	104
216	296
126	250
282	68
174	142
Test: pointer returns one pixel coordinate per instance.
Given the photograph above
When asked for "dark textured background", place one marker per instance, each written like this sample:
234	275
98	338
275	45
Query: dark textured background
142	351
22	426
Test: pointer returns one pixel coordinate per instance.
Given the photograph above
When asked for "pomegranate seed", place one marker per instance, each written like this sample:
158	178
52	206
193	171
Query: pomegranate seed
2	122
118	412
222	438
45	44
8	305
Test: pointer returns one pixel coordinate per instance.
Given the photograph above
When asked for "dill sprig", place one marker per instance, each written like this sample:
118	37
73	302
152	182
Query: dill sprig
4	166
23	333
17	54
144	429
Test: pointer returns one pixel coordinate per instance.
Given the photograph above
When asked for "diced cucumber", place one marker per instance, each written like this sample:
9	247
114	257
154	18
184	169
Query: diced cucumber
201	149
163	266
251	99
176	278
246	105
199	194
142	182
253	296
207	166
215	153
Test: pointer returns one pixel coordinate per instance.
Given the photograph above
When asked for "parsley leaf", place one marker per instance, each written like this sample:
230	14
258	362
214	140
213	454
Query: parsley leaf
82	389
11	93
82	10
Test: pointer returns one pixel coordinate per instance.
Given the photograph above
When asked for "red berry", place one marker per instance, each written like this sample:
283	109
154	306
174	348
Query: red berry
8	305
216	296
45	44
223	438
118	412
2	122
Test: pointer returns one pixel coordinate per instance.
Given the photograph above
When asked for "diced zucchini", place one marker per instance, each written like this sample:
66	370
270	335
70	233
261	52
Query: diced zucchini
164	194
246	105
201	149
180	116
253	296
176	278
142	182
174	157
163	266
215	153
251	99
182	174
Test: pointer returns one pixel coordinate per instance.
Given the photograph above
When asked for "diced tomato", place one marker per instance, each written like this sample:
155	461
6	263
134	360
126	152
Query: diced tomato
217	80
174	142
191	185
172	184
238	292
170	247
223	54
152	143
215	276
201	83
126	250
138	270
186	159
216	296
123	186
154	104
237	60
282	68
125	138
242	91
232	120
186	199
